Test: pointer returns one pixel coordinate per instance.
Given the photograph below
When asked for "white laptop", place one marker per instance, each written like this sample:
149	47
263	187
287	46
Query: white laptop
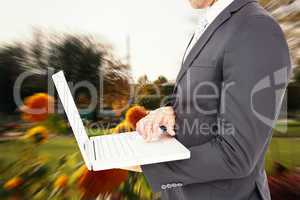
115	150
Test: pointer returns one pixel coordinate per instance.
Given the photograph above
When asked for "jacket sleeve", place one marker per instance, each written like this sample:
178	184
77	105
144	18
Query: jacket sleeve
256	65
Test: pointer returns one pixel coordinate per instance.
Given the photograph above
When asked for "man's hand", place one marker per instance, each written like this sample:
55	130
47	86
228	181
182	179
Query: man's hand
149	126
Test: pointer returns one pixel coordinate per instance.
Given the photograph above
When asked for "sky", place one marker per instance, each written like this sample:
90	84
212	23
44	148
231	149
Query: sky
159	30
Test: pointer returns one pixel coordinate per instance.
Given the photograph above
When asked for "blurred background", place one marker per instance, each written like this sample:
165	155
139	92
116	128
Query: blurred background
126	50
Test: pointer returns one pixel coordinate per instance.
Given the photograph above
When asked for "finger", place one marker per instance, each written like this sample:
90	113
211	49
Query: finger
142	128
165	122
168	110
156	126
170	124
148	131
139	126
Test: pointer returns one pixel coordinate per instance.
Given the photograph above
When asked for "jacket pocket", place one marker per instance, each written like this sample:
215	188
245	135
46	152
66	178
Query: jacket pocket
205	62
222	185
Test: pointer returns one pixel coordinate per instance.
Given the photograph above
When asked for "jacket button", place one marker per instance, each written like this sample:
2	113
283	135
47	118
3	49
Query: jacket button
179	184
174	185
163	187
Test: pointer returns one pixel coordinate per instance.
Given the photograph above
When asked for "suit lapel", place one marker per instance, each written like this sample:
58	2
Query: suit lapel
201	43
207	34
187	48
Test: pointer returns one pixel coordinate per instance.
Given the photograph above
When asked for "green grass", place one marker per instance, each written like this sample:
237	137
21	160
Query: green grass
284	150
52	150
289	128
59	146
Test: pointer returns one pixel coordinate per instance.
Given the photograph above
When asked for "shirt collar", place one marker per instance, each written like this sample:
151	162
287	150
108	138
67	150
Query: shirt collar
212	12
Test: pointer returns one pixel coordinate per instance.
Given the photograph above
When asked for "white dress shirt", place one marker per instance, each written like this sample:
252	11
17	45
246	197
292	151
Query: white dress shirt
205	18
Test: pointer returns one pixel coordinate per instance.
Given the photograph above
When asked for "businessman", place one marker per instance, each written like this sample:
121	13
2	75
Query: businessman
226	99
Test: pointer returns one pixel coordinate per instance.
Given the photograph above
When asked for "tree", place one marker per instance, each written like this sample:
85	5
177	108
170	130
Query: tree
78	57
161	80
37	55
117	86
297	74
81	57
143	80
12	59
84	59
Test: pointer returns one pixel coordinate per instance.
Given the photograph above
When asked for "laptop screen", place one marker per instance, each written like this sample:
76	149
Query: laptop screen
72	113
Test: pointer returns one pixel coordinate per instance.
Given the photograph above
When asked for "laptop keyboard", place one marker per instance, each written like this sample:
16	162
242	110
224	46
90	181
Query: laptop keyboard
115	146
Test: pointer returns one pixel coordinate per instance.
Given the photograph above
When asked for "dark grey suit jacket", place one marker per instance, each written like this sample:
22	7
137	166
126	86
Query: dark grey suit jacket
227	96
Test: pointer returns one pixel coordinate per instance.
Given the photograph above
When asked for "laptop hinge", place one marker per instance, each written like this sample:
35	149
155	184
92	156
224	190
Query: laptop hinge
89	152
94	150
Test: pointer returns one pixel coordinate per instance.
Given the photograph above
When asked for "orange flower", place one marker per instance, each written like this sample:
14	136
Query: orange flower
93	183
134	114
13	183
38	134
61	182
122	127
37	107
78	173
